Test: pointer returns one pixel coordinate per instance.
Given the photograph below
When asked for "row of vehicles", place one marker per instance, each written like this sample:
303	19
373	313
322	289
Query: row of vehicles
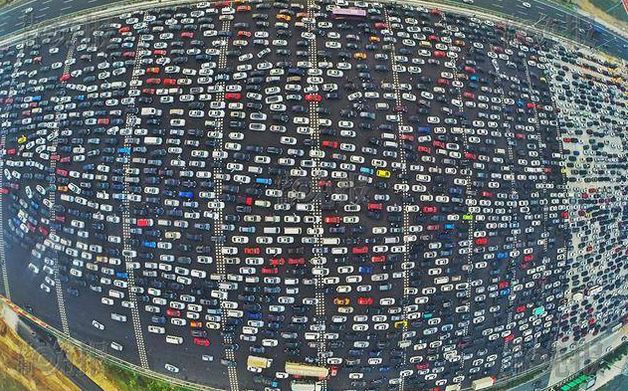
371	195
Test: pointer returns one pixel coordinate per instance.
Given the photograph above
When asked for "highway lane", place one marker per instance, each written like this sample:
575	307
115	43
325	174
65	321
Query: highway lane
546	15
14	17
542	15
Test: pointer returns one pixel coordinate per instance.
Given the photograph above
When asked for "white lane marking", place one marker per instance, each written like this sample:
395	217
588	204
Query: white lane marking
19	5
52	198
404	206
131	121
218	209
321	345
3	259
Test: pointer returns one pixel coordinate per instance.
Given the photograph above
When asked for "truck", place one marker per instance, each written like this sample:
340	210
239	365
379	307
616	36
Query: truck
482	383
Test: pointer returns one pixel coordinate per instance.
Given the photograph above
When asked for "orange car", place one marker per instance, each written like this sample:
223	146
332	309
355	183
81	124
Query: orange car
243	8
152	70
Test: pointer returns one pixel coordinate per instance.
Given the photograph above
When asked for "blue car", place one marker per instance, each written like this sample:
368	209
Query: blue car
149	244
367	269
264	181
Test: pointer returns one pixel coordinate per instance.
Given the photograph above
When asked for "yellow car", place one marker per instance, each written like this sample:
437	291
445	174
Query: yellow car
342	301
383	173
22	139
373	38
401	324
285	18
359	56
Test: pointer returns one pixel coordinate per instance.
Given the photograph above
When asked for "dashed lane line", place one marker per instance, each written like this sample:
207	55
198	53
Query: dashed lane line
52	196
404	341
468	176
218	208
318	258
127	253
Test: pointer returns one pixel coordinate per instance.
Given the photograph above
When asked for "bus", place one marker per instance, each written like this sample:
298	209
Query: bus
348	13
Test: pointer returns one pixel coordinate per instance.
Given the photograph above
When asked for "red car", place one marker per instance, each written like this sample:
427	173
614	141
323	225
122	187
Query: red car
375	206
153	80
277	261
144	222
324	183
270	270
481	241
330	144
378	258
296	261
159	52
233	96
124	29
170	82
201	341
365	300
333	220
172	312
360	250
313	98
187	34
252	251
429	209
65	77
439	54
245	34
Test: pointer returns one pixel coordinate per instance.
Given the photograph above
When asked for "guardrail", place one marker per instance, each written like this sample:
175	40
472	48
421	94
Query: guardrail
103	355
